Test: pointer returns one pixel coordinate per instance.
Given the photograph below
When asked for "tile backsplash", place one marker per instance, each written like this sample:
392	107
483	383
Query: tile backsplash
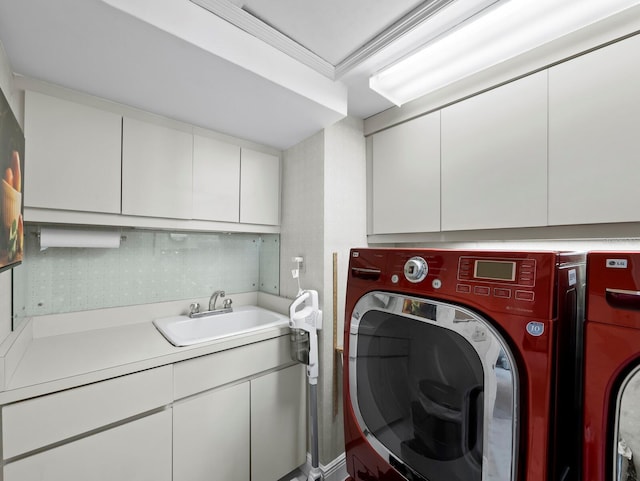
150	266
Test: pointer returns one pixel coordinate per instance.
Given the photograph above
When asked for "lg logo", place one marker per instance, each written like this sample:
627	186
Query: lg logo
617	263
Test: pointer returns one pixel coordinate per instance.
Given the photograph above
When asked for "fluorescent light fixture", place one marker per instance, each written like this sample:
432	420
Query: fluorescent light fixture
510	28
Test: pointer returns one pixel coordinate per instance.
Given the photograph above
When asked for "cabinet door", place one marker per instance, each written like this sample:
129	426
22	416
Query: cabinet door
594	114
73	154
156	170
216	180
29	425
136	451
406	177
494	158
278	434
259	188
211	436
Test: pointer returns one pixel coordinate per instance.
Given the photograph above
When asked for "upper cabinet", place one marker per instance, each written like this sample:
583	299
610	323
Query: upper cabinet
72	157
594	114
259	188
82	163
156	170
216	180
406	177
494	158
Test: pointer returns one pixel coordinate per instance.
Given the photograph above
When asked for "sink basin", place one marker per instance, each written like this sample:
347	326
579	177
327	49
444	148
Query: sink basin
185	331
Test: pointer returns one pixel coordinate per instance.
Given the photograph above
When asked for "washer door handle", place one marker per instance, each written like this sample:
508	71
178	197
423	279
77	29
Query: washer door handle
366	273
623	299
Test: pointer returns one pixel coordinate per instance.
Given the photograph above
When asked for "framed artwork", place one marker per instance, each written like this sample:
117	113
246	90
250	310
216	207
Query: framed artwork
11	187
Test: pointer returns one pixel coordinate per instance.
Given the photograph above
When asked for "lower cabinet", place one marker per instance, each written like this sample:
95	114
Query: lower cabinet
137	451
254	431
278	423
211	436
234	415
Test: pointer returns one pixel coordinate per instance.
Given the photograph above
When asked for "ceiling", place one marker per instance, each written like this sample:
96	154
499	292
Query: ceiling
270	71
332	29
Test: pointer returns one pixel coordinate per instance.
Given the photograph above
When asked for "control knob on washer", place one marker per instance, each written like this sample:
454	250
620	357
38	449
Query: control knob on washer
416	269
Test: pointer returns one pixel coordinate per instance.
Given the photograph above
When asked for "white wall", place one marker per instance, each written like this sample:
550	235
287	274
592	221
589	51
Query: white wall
6	84
302	225
345	220
324	211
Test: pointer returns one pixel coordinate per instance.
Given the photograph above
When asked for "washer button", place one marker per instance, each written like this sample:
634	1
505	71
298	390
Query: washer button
464	288
525	295
499	292
482	290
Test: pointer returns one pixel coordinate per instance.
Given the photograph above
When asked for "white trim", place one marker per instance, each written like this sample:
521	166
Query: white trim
410	21
336	470
259	29
253	25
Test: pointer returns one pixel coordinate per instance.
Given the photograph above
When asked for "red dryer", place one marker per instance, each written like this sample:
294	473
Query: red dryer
611	435
459	363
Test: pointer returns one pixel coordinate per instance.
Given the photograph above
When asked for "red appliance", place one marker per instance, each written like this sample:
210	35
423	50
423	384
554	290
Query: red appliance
458	363
611	435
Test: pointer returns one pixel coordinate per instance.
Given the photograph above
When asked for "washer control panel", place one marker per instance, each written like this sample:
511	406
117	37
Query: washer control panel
517	276
416	269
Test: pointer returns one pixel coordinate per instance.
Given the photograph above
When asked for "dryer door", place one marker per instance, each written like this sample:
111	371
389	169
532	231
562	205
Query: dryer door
433	389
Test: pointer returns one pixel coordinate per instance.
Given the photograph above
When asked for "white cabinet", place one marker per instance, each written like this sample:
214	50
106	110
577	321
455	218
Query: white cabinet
82	434
211	436
259	188
82	159
216	180
137	451
278	434
594	114
494	158
156	170
254	431
72	156
228	428
406	177
46	420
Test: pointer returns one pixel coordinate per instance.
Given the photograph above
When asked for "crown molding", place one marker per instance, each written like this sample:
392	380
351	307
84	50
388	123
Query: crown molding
261	30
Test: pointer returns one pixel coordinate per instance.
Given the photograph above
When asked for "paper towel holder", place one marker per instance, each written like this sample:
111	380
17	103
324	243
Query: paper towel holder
78	238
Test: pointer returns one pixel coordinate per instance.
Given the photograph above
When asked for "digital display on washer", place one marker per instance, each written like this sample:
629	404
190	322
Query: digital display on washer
495	270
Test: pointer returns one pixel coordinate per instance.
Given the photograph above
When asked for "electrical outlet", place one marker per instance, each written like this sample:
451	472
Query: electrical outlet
299	260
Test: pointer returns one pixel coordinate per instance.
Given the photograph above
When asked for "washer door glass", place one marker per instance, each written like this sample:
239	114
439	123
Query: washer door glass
626	440
433	389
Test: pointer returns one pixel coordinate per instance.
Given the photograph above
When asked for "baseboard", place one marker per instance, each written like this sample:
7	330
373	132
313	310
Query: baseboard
336	470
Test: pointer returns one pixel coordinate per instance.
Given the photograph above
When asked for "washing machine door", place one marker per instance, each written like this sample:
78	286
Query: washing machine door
626	433
433	389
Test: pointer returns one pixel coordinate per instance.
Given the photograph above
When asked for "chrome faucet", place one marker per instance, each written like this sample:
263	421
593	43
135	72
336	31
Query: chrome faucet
194	308
214	298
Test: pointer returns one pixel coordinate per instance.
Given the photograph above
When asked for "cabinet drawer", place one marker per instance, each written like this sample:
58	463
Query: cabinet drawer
38	422
197	375
136	451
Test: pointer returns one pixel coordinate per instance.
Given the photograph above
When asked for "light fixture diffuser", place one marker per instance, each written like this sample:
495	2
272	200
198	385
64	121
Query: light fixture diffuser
510	28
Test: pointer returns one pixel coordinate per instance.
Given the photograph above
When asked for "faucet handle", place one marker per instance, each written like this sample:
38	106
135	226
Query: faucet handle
194	308
227	303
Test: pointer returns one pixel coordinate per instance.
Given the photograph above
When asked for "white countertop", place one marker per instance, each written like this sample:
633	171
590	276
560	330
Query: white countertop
68	360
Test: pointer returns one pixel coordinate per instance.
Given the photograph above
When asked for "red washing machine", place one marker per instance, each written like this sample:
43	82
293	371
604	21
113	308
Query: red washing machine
611	436
458	364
